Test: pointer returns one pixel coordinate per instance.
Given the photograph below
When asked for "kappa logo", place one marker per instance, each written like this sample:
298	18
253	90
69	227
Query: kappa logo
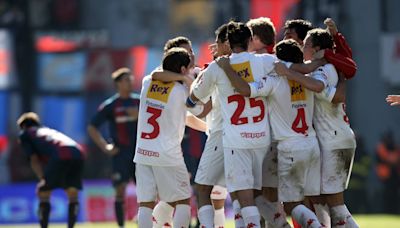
160	91
244	70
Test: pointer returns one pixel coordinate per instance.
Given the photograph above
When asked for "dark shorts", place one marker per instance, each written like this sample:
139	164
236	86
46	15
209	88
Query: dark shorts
63	174
123	167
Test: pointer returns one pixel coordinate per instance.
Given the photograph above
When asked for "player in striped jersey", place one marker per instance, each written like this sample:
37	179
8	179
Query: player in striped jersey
57	161
120	111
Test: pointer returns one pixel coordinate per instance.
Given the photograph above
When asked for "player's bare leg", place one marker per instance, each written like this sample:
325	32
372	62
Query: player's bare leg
73	206
238	218
218	197
162	215
250	213
321	209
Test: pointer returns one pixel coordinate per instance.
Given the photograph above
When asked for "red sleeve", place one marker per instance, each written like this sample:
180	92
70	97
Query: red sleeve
342	46
342	63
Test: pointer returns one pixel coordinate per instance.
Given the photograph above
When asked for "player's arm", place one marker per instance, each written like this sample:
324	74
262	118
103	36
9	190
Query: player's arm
202	87
195	123
305	68
94	133
36	166
308	82
237	82
169	76
393	100
340	93
342	46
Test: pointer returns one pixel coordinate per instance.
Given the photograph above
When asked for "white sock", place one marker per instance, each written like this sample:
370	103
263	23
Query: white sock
144	217
305	217
239	222
219	218
323	214
206	216
251	216
162	215
182	215
272	212
341	217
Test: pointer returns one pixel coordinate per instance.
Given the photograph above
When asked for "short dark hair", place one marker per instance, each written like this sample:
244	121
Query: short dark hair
263	28
176	42
238	35
221	33
300	26
289	51
321	37
28	119
118	74
175	58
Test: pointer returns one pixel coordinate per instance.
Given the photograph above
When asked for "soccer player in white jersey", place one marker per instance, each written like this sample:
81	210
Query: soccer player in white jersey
336	139
161	171
211	164
291	120
246	134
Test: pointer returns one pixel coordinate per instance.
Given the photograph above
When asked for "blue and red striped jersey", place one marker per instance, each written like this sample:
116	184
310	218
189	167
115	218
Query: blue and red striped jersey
122	126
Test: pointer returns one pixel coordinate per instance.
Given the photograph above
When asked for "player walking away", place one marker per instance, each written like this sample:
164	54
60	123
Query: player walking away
57	161
246	134
161	171
336	139
120	111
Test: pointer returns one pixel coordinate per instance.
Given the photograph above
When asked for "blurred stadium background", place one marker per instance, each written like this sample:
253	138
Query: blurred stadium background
56	57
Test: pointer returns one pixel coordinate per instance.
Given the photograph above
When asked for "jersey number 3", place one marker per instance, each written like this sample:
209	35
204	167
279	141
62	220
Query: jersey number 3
241	101
153	122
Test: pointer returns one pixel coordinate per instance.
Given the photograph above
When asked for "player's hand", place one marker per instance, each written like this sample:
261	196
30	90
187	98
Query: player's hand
393	100
223	62
319	54
111	150
280	68
40	184
331	26
132	112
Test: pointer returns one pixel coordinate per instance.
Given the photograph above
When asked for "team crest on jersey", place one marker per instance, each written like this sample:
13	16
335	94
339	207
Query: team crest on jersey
160	91
297	92
244	70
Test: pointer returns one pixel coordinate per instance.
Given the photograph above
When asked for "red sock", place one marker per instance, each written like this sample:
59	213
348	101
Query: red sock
295	224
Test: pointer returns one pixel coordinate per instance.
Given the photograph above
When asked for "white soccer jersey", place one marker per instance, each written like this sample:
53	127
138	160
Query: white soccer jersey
214	118
245	122
330	120
291	106
161	123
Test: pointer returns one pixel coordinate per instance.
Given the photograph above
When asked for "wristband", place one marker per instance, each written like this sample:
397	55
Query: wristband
190	103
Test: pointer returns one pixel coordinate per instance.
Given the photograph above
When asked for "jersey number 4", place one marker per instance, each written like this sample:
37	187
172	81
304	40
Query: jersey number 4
299	124
241	101
153	122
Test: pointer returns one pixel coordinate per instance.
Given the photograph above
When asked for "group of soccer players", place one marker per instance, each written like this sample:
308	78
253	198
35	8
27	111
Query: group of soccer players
278	135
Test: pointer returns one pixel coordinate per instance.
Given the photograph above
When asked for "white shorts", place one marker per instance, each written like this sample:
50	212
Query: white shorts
270	167
218	193
298	169
211	168
169	183
243	168
336	169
